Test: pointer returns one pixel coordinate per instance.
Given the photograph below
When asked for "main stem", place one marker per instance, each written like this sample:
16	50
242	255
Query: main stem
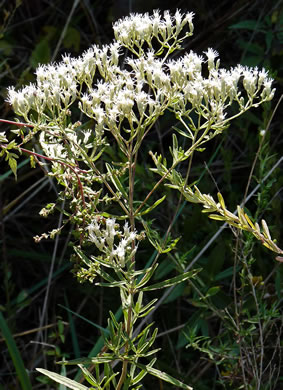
129	331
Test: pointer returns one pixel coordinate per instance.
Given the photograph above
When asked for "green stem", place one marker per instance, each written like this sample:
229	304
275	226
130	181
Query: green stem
188	153
96	171
129	325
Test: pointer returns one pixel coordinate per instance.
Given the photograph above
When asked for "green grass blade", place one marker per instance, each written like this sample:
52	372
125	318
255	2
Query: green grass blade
104	330
15	355
74	336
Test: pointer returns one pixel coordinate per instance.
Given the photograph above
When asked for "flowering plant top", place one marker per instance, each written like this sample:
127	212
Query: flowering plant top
118	92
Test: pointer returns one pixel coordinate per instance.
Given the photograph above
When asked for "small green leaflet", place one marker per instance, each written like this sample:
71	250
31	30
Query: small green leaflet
13	165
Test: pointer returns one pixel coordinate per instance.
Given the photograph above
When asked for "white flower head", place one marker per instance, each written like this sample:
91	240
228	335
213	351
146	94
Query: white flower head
211	55
117	245
262	133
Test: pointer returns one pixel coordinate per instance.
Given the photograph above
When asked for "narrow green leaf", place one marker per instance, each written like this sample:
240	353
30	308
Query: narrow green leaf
247	25
152	352
217	217
63	373
73	332
143	336
149	272
227	273
115	180
111	284
71	384
212	291
139	377
182	133
99	260
113	318
82	256
152	339
170	282
15	355
92	360
138	304
165	377
105	275
106	385
87	375
221	200
155	204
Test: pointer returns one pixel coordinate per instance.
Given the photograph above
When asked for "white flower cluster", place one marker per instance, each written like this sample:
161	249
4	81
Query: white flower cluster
136	29
58	85
129	99
110	103
104	239
55	90
210	96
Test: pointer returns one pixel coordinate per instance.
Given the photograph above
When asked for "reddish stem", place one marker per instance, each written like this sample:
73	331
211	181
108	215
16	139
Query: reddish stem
20	124
60	162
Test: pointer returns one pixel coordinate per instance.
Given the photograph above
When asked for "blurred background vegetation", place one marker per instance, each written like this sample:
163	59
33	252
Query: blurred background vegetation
222	331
